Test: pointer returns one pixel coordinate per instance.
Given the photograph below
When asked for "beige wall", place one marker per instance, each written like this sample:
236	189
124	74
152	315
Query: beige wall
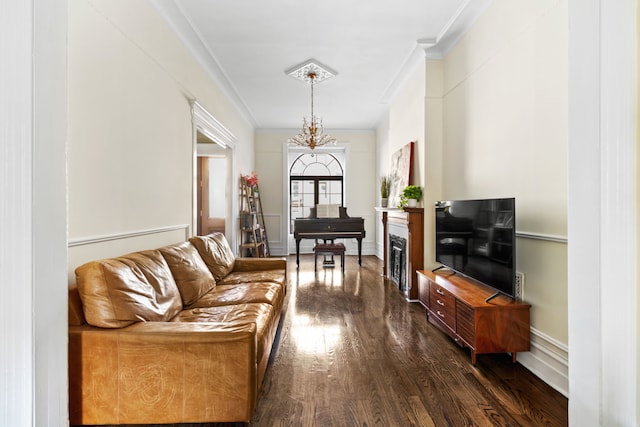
432	158
506	92
407	120
130	149
361	194
383	154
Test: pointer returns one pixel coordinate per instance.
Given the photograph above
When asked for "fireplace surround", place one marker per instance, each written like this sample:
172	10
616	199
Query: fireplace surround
398	261
400	265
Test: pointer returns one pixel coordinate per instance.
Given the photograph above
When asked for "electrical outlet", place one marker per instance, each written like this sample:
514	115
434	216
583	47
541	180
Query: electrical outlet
519	291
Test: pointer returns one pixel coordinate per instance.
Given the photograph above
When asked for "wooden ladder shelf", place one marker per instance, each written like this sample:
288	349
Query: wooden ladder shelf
254	242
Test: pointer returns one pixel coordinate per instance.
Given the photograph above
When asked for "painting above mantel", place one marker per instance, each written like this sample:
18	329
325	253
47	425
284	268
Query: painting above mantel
400	171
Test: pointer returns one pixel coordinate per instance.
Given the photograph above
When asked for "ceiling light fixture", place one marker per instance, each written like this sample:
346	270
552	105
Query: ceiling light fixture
312	134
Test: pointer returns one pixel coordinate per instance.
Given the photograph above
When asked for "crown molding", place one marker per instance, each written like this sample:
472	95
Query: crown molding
178	21
414	59
464	18
437	47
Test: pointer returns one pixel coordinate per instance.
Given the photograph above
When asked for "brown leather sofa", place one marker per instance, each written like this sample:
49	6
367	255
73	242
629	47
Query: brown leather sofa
179	334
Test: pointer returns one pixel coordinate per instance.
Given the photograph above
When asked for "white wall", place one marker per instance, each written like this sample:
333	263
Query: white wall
360	177
131	163
33	308
637	239
603	214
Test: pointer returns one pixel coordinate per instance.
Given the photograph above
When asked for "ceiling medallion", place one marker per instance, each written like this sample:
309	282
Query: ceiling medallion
312	134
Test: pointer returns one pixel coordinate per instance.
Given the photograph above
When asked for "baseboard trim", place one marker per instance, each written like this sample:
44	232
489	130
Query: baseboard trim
548	360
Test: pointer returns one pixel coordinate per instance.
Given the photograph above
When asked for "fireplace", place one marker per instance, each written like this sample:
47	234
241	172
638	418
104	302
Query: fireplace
403	248
398	261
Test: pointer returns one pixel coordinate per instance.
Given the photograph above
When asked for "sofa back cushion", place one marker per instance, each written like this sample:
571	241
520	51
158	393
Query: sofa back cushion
216	253
117	292
189	271
75	314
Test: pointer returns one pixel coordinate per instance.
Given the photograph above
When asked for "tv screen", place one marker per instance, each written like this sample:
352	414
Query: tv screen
477	239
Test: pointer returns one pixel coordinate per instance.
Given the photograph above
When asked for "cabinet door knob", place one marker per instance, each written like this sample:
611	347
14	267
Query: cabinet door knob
440	302
439	291
441	314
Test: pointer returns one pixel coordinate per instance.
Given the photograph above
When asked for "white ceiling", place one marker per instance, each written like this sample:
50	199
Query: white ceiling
248	45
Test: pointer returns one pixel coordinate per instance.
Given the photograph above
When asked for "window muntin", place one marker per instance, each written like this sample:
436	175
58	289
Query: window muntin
314	178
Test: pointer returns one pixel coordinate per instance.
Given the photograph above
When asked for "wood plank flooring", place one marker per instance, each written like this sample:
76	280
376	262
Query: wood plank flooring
352	351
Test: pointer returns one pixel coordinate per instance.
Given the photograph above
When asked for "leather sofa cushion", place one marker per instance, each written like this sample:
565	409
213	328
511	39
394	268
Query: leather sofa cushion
189	271
270	293
238	277
262	315
216	253
117	292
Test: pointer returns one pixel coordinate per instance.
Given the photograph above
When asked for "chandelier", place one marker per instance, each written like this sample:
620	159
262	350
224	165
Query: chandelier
312	134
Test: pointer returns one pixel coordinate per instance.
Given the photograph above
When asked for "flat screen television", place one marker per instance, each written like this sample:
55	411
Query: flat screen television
476	238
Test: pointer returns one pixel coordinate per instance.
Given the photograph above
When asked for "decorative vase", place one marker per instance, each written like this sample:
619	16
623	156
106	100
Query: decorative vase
412	203
384	202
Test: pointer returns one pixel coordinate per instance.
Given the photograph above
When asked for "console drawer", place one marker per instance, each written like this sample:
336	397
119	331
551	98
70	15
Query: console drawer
442	305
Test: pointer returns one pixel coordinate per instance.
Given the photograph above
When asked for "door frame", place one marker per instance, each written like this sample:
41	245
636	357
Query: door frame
204	189
208	125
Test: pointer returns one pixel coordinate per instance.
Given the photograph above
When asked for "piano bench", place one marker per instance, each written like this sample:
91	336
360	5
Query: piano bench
325	249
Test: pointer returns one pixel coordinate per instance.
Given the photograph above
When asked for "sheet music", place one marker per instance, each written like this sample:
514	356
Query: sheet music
327	211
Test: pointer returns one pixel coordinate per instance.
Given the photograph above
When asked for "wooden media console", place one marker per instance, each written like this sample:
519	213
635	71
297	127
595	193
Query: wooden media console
458	306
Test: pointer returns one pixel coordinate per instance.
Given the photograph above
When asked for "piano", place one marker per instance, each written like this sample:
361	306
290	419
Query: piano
343	227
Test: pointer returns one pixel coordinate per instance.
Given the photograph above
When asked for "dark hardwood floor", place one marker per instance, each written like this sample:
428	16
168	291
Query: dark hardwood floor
352	351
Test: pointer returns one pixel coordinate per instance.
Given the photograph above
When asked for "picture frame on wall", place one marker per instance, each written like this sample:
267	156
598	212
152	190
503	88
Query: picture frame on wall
400	173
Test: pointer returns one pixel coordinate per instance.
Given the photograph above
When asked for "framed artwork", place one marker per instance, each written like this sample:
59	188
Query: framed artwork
400	173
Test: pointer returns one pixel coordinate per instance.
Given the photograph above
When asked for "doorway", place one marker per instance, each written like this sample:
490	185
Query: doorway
212	184
212	197
214	192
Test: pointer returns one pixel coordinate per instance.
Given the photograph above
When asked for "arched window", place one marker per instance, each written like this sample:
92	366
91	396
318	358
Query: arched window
314	178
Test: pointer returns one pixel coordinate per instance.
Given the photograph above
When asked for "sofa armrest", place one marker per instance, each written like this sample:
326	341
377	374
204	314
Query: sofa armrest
162	372
253	264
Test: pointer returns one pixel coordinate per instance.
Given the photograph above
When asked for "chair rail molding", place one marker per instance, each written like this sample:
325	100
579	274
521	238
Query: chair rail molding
127	235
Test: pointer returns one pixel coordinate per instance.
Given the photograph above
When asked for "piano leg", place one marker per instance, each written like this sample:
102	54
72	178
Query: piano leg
297	252
360	252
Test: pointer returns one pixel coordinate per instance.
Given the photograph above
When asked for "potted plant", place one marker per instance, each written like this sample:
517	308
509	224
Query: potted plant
385	186
411	195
